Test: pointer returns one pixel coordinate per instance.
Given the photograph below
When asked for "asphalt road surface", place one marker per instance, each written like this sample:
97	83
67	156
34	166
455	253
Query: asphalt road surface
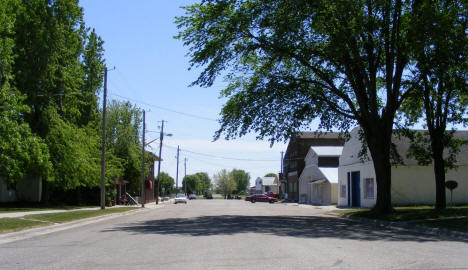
221	234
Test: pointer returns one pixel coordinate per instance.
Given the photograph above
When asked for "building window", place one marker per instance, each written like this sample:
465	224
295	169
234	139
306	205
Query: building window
369	188
292	165
330	162
343	191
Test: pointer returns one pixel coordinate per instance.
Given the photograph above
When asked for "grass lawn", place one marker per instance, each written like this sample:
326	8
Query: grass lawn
18	224
79	214
453	218
36	220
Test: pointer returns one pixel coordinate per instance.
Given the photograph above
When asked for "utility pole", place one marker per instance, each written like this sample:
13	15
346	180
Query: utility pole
185	174
143	192
177	173
161	136
103	157
281	163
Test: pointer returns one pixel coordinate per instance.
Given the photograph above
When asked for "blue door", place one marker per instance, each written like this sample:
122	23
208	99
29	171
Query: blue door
348	188
356	189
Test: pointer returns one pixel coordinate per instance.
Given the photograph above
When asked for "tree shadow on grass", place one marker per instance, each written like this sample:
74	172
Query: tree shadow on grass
291	226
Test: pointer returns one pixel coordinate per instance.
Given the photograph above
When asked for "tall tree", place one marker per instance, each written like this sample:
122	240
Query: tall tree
242	179
290	62
123	131
225	183
47	68
440	50
167	182
205	182
191	183
21	151
94	65
270	175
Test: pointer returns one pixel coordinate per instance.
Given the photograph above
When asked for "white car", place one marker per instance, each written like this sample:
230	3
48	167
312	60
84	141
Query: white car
180	198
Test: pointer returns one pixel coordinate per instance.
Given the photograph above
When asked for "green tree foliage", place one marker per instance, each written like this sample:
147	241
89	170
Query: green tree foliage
48	48
270	175
51	71
167	182
440	47
21	152
290	62
242	179
123	140
205	182
94	66
191	183
74	154
225	183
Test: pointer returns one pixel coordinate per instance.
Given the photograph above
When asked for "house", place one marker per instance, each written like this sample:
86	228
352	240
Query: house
318	183
266	184
412	184
293	160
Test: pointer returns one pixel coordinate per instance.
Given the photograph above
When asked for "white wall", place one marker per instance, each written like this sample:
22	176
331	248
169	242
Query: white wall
310	173
411	185
334	193
366	170
415	185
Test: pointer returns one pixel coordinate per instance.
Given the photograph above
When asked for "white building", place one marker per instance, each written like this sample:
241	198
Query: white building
318	182
266	184
412	184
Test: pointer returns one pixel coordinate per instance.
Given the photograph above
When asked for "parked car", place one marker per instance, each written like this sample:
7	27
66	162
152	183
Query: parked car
192	197
260	198
271	194
180	198
208	196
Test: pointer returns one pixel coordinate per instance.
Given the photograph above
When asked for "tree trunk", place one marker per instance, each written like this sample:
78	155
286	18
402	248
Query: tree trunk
379	142
439	171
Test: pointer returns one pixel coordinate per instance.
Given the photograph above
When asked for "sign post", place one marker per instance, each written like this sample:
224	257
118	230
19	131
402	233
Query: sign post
451	184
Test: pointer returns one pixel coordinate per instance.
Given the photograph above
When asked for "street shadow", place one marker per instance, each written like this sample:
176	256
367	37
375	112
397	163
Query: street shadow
290	226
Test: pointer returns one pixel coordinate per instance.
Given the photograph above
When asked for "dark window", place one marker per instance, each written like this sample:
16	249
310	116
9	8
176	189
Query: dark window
328	161
292	164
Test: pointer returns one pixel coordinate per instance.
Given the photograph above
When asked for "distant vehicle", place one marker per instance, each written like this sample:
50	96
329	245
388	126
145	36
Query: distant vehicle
260	198
192	197
180	198
208	196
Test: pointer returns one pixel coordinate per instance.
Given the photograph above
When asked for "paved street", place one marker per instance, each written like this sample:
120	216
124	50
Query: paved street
220	234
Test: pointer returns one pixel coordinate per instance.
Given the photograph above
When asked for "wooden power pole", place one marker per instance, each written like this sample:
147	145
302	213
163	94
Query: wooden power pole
103	156
143	192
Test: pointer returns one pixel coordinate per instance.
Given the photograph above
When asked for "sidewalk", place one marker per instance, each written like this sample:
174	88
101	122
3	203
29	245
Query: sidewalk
26	213
22	214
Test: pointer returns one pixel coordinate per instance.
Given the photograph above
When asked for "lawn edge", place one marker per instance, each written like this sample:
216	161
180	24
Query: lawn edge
47	229
404	225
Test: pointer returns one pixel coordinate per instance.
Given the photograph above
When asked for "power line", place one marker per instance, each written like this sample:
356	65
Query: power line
225	166
164	108
222	157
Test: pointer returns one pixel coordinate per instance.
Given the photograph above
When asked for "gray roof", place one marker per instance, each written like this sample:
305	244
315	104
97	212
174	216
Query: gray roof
403	143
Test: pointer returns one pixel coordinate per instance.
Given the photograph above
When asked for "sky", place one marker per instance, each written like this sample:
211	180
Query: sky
151	71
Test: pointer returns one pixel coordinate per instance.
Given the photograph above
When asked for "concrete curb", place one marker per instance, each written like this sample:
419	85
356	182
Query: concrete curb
403	225
28	233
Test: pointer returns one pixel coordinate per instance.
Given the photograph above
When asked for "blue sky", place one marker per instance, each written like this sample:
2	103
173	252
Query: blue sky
152	73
